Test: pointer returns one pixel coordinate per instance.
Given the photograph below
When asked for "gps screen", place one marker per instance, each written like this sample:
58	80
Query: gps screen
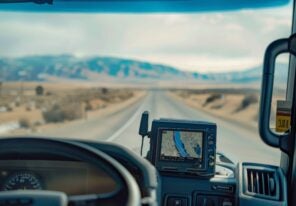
181	145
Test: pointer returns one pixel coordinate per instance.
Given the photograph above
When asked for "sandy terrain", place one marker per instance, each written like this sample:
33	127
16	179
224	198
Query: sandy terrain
59	103
111	108
227	104
226	107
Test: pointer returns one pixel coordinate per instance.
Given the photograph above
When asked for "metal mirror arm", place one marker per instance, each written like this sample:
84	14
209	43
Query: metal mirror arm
273	50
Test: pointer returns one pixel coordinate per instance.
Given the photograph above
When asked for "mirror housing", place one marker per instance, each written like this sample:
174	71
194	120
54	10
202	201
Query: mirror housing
276	48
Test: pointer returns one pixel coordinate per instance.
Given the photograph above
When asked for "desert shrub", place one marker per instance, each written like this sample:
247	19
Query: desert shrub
72	111
88	106
17	103
107	98
39	90
54	114
247	101
184	95
9	107
37	123
48	93
127	95
24	123
104	90
212	98
103	106
219	106
58	113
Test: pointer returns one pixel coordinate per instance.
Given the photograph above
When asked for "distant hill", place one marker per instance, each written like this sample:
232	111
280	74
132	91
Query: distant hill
42	68
250	75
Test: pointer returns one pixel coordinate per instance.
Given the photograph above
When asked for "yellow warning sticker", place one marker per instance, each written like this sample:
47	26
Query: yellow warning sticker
283	116
283	123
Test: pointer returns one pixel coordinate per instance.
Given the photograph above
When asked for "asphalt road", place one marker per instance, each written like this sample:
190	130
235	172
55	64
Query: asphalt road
238	143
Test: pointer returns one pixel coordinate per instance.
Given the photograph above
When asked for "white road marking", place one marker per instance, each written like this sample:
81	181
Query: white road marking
127	124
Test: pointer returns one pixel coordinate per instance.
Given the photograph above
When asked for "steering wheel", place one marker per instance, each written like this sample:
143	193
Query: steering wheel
129	193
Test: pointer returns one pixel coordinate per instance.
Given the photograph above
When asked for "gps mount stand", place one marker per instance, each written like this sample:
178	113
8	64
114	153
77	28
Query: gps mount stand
143	129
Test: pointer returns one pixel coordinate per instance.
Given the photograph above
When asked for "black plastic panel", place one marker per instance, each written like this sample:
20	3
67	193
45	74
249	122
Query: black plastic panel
246	198
195	189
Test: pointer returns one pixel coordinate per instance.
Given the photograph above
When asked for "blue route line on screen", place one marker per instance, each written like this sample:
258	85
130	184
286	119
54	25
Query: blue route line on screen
179	144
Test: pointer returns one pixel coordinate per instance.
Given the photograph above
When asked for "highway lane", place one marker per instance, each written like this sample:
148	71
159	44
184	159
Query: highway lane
121	127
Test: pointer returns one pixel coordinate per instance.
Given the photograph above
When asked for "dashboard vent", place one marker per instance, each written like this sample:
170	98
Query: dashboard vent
263	183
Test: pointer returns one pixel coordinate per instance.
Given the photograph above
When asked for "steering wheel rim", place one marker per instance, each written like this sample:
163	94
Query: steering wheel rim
82	152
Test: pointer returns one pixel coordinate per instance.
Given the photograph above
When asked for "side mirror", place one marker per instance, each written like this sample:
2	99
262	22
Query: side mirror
275	131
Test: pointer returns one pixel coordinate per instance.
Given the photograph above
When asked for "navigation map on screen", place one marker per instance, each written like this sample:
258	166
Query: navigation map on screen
181	144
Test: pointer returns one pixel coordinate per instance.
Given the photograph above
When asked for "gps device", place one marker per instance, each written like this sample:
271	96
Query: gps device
180	146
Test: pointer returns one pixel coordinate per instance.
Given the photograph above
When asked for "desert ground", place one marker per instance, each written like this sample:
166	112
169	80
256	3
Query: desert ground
31	106
238	105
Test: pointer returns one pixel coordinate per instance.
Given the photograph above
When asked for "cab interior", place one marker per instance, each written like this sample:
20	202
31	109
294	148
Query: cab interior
58	171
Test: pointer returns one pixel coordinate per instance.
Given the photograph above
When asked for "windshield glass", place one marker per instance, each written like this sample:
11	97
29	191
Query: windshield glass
90	76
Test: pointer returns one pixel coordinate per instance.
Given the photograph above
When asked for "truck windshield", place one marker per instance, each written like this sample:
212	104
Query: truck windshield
90	76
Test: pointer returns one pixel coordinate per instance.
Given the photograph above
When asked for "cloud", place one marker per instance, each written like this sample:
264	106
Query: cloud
196	42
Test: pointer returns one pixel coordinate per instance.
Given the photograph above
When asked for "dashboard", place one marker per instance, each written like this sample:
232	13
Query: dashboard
71	177
59	173
182	168
75	178
228	187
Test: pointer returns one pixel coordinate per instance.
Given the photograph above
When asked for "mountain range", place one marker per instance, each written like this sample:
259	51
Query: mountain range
42	68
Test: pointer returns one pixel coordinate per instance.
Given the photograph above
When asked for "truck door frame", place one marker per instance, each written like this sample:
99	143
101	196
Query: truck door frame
288	163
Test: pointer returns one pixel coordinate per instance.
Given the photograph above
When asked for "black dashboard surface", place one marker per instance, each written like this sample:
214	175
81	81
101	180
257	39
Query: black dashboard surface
219	190
64	174
71	177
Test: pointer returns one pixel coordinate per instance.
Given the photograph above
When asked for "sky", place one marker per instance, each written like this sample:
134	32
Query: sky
204	42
